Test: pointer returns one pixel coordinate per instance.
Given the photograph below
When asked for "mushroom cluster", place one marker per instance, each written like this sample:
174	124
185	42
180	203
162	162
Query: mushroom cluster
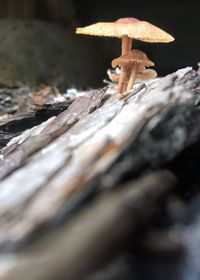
132	63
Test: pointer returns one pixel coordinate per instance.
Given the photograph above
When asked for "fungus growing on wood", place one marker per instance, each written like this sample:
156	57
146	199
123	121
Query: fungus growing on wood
147	74
127	29
133	63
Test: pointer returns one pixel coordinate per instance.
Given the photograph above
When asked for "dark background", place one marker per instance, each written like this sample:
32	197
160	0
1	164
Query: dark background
52	54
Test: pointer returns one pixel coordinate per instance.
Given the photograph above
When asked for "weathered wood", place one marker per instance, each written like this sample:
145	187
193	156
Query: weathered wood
61	10
23	108
20	9
95	144
54	128
10	96
96	233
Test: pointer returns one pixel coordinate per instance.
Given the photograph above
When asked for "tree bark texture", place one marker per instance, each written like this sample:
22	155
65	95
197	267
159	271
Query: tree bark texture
77	186
60	10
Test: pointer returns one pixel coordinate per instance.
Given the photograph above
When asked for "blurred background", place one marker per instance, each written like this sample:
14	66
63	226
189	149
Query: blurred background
38	44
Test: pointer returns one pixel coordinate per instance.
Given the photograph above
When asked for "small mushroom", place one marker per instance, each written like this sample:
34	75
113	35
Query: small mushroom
147	74
113	75
134	63
125	64
127	29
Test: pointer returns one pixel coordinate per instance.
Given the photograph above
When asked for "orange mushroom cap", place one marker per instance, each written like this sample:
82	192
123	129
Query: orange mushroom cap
131	27
135	56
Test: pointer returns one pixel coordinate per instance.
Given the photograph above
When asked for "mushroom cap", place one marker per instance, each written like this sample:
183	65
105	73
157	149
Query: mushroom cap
147	74
131	27
134	56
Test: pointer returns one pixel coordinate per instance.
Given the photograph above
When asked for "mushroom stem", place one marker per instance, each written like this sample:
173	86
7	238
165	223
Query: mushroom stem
123	80
126	79
126	44
134	73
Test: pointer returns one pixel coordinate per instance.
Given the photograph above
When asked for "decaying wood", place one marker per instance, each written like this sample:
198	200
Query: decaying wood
23	108
49	171
33	9
15	155
21	9
89	241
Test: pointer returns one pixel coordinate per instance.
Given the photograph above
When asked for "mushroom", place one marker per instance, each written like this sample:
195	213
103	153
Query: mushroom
127	29
113	75
134	64
147	74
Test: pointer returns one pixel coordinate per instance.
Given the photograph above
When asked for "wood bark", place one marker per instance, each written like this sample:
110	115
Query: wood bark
58	11
64	200
18	9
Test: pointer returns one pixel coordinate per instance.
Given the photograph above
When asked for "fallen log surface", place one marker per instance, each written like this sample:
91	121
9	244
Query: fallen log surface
69	194
22	108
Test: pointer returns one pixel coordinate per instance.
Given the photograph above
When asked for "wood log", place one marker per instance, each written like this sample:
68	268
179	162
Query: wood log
23	107
95	234
59	11
63	182
18	9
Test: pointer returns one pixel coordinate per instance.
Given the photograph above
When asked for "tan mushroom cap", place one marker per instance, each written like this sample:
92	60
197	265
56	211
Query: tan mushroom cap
135	56
131	27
